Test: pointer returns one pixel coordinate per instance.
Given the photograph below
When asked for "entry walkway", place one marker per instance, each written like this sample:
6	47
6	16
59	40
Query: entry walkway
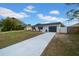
31	47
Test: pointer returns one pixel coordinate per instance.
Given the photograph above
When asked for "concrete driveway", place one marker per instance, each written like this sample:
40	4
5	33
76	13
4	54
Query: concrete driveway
31	47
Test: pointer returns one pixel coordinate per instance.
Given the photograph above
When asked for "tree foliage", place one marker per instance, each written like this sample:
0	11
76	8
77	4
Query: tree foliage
76	14
73	13
9	24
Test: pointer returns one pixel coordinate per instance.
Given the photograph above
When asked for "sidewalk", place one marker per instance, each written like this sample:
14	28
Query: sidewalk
31	47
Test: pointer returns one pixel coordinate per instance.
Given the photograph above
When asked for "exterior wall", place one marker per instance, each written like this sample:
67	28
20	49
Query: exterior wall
42	30
45	28
28	28
62	29
36	29
58	27
73	29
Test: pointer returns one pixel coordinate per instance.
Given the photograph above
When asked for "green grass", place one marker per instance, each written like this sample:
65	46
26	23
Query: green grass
63	45
72	47
12	37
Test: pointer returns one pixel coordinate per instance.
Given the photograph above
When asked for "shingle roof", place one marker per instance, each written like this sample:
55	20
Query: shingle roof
47	24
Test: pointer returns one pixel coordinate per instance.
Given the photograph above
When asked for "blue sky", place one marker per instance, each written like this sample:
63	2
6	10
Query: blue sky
31	13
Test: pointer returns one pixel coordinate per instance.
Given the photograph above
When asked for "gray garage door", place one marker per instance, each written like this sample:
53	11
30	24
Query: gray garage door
52	29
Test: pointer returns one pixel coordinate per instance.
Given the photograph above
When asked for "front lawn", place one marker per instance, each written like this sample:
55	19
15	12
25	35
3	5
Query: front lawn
12	37
63	45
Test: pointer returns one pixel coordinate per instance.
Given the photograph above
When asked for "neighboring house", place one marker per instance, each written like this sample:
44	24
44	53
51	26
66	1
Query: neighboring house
73	29
49	27
28	28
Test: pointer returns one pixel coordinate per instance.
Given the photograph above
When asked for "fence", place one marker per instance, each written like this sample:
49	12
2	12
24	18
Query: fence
62	29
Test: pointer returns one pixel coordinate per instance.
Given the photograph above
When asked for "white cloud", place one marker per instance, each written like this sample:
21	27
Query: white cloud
50	18
41	16
56	12
71	22
5	12
45	22
30	9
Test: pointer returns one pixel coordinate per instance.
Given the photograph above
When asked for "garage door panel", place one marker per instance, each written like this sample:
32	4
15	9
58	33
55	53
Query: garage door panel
52	29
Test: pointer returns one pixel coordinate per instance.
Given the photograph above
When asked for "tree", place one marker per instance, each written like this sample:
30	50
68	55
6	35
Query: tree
70	14
9	24
76	14
73	13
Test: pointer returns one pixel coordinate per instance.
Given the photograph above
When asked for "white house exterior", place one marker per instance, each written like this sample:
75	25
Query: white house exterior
62	30
50	27
28	28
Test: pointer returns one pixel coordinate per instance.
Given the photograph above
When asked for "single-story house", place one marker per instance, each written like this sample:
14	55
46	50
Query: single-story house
28	28
49	27
56	27
73	29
